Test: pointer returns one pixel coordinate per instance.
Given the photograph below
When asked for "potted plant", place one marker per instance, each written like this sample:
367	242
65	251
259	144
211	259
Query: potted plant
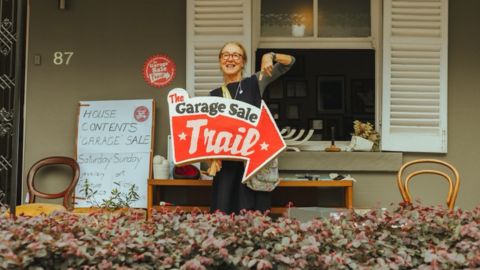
298	25
364	137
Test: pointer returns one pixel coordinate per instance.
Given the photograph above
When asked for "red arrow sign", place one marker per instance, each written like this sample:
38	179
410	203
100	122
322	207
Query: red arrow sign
205	128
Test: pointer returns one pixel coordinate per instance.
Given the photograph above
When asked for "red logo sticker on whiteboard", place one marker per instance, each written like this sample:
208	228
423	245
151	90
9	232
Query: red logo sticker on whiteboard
159	70
141	113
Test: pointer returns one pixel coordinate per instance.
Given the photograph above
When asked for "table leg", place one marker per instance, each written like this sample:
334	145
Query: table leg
349	196
149	200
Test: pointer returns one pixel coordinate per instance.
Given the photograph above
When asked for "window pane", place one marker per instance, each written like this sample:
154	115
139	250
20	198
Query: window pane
343	18
287	18
325	88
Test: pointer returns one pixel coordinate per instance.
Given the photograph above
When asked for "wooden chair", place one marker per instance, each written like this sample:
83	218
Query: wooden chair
453	185
33	208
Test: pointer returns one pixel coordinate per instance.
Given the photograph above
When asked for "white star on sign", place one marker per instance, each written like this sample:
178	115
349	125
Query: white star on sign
264	146
182	136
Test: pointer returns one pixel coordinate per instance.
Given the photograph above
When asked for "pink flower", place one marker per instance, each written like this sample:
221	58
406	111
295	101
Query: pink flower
224	253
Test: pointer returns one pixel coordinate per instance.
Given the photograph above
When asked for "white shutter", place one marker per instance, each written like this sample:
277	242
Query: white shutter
210	24
414	114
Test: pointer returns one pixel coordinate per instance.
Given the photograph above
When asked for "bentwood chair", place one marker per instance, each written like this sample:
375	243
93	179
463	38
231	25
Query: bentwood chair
453	185
33	208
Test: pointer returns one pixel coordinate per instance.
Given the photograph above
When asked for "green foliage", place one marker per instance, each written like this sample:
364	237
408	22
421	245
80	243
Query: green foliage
412	237
116	200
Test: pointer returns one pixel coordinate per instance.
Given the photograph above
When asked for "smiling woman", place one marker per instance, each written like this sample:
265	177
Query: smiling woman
232	60
229	195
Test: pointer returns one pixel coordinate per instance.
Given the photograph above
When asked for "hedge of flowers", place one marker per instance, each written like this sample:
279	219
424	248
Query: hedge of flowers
412	237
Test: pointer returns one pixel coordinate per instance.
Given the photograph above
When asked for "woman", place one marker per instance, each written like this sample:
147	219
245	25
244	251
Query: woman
229	195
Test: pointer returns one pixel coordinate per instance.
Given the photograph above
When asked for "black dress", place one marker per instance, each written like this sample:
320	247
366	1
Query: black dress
229	195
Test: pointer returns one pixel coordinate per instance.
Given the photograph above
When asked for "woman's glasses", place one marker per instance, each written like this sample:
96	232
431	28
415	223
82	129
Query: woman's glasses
235	56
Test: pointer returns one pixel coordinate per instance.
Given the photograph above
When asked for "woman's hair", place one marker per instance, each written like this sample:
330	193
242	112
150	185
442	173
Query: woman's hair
244	52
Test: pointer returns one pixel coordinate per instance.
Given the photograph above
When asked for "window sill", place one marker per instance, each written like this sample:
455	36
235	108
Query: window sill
340	161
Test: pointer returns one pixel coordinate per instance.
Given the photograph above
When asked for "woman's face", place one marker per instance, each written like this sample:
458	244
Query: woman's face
231	66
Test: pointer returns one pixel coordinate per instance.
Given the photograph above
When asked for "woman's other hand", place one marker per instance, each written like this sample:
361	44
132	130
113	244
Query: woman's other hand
267	65
269	58
218	166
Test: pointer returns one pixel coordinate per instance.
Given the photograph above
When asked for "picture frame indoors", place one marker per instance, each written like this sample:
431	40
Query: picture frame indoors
330	94
274	110
316	124
363	95
275	89
296	88
337	123
293	112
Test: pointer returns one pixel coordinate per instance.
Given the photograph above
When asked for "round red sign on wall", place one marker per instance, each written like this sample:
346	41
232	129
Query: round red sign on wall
159	70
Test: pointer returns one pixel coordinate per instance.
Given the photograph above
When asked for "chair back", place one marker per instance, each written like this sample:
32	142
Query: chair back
453	185
67	193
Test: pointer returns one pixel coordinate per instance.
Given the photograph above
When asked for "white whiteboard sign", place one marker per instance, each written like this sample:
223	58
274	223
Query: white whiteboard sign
115	145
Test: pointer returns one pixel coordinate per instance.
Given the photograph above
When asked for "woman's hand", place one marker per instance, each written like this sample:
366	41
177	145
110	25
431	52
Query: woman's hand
217	164
267	65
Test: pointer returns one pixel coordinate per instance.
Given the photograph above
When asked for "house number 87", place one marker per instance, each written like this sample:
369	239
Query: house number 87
58	57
